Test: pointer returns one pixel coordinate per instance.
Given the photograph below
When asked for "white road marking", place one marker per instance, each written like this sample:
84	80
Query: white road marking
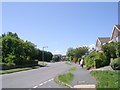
35	86
43	83
50	80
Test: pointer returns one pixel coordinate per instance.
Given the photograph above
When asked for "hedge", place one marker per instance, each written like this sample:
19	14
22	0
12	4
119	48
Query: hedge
96	59
115	64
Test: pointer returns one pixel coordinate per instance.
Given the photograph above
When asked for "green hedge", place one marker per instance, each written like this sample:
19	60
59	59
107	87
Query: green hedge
7	66
89	60
100	60
95	59
115	64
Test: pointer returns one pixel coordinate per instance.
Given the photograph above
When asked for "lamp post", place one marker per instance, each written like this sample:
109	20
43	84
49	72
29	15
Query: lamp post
43	53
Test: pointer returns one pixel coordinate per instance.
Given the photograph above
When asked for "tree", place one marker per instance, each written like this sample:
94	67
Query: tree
76	53
56	58
80	51
47	56
20	52
70	53
110	50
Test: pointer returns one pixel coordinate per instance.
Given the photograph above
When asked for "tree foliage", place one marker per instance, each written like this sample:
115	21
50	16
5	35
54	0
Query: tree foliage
77	52
80	51
110	50
20	52
96	59
100	59
70	52
115	64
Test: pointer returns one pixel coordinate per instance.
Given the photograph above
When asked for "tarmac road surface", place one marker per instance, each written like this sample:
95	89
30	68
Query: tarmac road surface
34	78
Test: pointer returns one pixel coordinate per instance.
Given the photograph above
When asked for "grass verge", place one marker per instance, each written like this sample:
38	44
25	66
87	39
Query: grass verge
106	79
66	78
73	68
17	70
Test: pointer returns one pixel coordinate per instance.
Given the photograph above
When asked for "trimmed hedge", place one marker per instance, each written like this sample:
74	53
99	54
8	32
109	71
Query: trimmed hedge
115	64
7	66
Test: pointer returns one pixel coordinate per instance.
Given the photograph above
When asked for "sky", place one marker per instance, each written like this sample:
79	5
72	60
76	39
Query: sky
60	25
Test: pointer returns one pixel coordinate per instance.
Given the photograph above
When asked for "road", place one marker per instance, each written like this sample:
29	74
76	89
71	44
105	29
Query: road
34	78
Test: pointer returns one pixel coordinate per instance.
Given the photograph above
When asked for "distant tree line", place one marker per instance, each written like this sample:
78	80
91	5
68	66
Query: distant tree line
76	53
16	51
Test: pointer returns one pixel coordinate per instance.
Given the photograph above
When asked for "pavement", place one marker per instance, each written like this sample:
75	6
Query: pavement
103	68
82	78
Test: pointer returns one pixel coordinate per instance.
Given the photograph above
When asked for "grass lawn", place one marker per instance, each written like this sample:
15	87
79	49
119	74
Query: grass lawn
17	70
107	79
66	78
73	68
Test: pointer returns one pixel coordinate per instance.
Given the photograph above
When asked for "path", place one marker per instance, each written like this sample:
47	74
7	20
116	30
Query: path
82	77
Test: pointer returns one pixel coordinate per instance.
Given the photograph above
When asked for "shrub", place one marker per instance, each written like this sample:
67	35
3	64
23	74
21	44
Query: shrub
70	58
79	59
95	59
115	64
5	66
118	49
110	50
89	60
100	60
98	63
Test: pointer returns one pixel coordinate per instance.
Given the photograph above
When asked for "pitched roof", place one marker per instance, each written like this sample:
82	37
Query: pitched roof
118	26
116	29
104	39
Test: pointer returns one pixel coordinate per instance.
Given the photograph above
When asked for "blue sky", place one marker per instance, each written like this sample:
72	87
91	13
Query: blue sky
60	25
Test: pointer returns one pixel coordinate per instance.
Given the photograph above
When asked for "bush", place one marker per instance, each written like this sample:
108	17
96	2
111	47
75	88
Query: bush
98	63
5	66
115	64
100	60
70	58
79	59
89	60
96	59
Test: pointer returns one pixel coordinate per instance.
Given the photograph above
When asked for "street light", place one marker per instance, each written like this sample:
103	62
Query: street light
43	53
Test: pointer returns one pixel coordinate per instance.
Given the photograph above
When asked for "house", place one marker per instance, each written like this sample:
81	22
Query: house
101	41
115	34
